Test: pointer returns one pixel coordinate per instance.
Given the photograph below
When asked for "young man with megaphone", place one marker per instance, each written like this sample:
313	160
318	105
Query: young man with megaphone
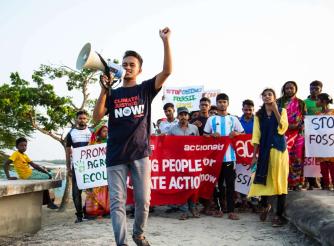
128	148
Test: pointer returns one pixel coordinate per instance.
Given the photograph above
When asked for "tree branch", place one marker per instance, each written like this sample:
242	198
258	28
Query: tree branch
74	71
74	106
49	133
85	94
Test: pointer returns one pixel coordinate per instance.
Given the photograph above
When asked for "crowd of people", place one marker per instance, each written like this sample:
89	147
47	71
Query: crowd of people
279	159
277	136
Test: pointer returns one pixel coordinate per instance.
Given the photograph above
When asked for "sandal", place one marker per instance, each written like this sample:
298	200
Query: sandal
265	212
194	213
207	211
233	216
218	214
277	222
184	216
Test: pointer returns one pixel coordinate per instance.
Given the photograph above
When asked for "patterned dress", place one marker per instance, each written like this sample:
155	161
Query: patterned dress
97	199
296	110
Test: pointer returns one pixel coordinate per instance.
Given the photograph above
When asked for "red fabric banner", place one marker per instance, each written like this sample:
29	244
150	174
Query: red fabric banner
187	167
242	145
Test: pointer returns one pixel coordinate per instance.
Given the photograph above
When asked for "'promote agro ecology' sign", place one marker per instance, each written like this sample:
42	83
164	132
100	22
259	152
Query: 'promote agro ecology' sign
90	166
184	96
319	136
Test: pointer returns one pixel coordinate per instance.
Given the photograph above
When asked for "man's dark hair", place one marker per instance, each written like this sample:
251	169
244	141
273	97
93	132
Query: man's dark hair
134	54
20	140
316	83
248	102
213	107
222	96
82	112
193	112
205	99
168	105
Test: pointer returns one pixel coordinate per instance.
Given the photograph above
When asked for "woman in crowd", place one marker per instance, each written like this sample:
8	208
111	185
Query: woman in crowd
326	164
272	163
97	199
296	110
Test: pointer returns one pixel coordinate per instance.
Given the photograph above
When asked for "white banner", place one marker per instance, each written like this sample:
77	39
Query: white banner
311	167
89	163
211	94
319	136
243	178
184	96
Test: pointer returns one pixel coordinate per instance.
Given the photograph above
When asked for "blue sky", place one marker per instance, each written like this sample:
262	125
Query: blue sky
239	46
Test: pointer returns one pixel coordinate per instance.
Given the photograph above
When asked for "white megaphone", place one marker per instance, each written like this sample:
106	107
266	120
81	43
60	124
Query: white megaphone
94	61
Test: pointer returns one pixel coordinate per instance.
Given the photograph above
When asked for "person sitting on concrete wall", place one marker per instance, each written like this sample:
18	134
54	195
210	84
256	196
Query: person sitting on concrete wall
22	165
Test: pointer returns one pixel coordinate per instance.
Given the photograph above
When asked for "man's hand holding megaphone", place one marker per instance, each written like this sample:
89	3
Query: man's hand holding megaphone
106	81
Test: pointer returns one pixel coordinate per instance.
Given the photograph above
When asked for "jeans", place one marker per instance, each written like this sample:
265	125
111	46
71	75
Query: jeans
188	206
76	195
140	171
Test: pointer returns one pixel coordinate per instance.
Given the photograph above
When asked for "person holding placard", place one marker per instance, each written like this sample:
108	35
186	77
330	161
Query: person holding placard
312	109
216	126
77	137
326	164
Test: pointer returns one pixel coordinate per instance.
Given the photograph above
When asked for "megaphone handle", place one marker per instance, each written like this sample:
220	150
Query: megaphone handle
107	71
107	68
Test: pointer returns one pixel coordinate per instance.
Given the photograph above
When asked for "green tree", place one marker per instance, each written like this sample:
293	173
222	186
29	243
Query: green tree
13	121
34	106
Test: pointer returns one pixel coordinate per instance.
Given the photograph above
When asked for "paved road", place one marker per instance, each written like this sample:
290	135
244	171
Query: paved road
59	229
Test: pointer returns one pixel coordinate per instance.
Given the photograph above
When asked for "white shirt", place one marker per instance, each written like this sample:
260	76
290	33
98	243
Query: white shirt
165	126
224	125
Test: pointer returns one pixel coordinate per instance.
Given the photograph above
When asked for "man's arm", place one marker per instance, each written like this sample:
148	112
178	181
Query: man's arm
238	129
68	151
6	168
167	67
100	106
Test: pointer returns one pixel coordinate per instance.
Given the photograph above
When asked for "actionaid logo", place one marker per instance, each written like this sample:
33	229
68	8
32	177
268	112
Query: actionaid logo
244	149
203	147
136	111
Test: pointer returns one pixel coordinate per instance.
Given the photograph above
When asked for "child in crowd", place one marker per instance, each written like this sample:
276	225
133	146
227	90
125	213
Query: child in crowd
213	110
22	165
326	164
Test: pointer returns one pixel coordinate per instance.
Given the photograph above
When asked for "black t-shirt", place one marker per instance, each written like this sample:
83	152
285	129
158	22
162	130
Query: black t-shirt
203	120
129	123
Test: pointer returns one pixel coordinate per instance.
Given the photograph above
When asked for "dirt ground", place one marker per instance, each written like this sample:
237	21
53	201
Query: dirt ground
58	228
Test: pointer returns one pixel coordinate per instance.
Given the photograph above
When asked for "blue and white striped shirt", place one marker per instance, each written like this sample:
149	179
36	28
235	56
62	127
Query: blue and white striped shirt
224	125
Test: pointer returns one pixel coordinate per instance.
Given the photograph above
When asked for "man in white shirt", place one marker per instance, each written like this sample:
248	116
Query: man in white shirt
165	126
219	125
